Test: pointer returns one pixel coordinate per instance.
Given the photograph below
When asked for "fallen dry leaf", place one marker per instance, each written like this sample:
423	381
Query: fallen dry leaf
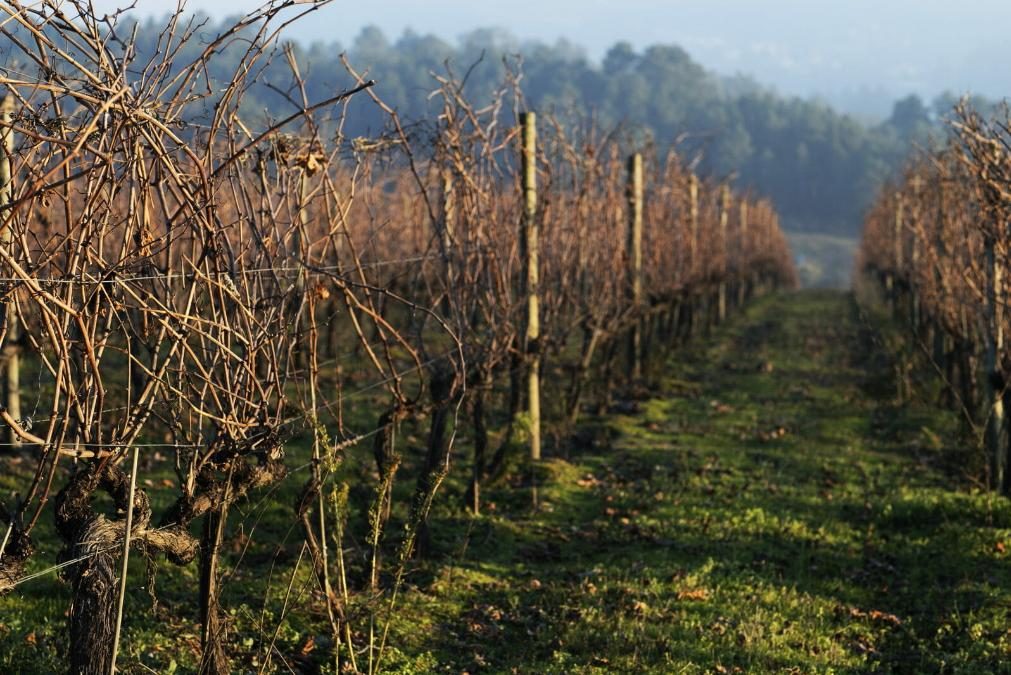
875	615
885	617
721	408
695	594
639	607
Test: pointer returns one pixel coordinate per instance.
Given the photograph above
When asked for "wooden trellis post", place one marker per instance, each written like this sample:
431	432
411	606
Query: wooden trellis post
635	205
693	224
993	348
693	247
898	231
446	235
531	279
724	222
447	229
11	349
892	278
742	247
914	257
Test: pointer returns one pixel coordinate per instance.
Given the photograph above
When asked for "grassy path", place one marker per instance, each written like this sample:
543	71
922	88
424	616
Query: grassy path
765	508
769	510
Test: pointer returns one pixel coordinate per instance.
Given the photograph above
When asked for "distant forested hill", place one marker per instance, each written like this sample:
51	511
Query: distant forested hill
821	168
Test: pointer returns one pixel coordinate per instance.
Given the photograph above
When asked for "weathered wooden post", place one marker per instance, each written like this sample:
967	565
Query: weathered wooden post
994	347
892	280
11	349
743	280
693	216
724	249
447	233
944	346
693	248
531	279
635	205
914	256
899	215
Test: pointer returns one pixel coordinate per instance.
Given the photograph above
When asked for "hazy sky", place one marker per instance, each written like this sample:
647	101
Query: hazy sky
837	49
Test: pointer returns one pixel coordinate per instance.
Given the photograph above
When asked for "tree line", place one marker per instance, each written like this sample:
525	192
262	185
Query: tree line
822	168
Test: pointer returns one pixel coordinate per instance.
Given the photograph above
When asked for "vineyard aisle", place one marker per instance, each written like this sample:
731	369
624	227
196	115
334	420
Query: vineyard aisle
769	509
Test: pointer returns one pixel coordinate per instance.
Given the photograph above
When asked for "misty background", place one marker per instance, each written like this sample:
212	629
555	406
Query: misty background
814	104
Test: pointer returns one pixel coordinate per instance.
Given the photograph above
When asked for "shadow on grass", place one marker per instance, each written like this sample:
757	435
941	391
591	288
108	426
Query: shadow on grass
692	541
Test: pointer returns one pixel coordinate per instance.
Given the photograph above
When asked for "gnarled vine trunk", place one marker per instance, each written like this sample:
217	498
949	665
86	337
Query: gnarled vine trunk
94	543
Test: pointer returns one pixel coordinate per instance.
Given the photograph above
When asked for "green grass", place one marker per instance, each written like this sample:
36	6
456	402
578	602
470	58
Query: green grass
767	508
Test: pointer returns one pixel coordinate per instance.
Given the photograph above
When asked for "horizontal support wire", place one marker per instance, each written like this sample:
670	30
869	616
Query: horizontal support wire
111	547
350	396
326	270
